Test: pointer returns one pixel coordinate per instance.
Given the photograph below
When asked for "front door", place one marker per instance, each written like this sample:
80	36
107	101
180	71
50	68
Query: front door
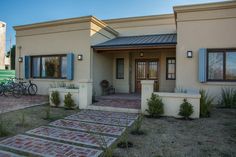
146	70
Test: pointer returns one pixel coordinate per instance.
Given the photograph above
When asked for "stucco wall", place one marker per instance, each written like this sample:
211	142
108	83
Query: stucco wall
56	40
203	29
122	85
158	24
101	63
2	44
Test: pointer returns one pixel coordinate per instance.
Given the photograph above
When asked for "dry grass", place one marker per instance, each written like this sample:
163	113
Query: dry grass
31	118
169	137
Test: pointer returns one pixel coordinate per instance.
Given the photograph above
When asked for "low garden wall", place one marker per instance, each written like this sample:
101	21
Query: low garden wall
172	101
82	95
62	92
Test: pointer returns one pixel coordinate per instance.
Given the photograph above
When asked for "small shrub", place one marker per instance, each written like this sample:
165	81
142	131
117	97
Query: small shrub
137	126
186	109
155	106
48	113
228	98
55	98
69	102
205	104
3	128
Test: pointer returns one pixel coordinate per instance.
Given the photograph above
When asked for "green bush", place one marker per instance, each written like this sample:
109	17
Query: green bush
55	98
137	126
228	98
205	104
186	109
69	102
155	106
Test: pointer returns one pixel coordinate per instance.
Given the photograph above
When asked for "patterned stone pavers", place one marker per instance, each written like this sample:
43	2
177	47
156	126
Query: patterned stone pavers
101	120
73	136
7	154
91	127
109	114
43	147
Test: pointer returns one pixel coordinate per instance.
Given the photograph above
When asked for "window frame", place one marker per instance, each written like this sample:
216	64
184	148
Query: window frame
167	64
224	51
40	66
117	77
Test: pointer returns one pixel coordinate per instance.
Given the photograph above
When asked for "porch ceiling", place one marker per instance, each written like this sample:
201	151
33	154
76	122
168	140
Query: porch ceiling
135	42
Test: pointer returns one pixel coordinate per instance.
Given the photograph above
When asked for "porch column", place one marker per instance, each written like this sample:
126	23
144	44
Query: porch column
146	92
85	93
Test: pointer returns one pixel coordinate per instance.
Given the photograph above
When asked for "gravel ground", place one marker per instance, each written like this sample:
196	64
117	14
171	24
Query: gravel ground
170	137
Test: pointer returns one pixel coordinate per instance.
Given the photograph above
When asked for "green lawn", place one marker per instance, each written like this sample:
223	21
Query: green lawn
5	74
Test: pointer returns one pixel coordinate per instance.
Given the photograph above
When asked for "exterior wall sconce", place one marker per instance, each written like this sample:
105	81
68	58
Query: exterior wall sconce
141	54
80	57
20	59
189	54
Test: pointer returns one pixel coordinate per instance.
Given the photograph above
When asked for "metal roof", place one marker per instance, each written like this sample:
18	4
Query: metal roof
143	40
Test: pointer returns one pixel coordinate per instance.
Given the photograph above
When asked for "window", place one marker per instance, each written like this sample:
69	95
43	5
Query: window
120	68
170	68
48	66
221	65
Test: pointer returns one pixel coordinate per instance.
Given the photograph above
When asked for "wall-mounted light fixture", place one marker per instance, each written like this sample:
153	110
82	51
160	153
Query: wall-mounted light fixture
189	54
20	59
80	57
141	54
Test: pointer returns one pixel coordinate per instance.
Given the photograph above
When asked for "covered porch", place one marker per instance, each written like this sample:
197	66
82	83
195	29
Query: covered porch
126	61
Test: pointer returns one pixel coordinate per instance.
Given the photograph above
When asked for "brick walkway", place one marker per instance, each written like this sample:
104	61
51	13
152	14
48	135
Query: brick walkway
101	120
109	114
11	103
7	154
83	126
64	137
72	136
132	101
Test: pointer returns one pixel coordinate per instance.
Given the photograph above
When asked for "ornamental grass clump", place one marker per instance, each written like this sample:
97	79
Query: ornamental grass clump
55	98
186	109
228	98
206	103
155	106
69	102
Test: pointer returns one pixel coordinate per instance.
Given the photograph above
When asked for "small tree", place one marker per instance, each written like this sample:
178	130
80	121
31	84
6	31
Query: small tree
11	53
69	102
186	109
55	98
155	106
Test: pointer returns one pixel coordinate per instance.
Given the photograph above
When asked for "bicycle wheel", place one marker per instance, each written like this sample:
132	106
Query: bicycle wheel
32	89
17	91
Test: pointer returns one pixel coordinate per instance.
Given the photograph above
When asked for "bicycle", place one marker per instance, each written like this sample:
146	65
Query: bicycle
28	87
10	88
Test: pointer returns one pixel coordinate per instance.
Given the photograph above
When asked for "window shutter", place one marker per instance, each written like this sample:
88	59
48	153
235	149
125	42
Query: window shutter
202	65
70	66
27	67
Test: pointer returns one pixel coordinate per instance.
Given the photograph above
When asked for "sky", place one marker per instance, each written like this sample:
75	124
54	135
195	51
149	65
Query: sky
20	12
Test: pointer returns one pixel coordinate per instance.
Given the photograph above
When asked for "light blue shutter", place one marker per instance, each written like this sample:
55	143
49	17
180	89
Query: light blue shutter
202	65
70	66
27	67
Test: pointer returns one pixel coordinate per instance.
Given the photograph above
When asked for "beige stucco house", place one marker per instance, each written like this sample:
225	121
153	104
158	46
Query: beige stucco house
192	49
2	44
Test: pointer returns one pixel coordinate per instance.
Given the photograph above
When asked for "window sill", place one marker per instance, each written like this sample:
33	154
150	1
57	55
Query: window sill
50	79
221	83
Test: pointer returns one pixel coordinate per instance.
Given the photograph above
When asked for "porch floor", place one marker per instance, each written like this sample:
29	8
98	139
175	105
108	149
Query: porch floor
131	101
